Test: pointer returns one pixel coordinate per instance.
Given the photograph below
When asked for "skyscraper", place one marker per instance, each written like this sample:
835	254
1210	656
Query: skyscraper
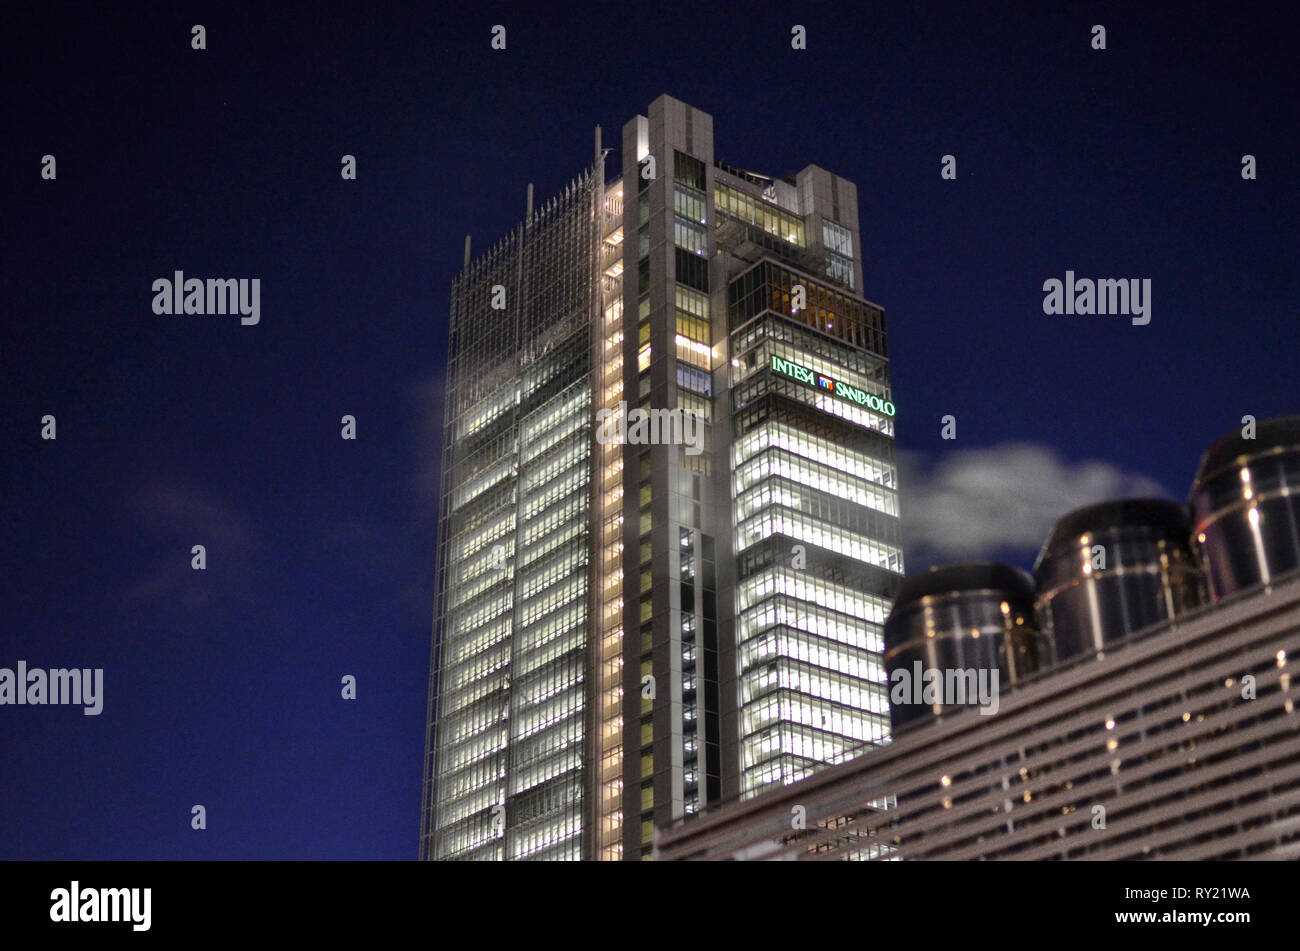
668	533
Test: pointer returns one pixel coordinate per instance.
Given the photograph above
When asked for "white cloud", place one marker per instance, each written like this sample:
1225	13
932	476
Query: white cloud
179	517
973	503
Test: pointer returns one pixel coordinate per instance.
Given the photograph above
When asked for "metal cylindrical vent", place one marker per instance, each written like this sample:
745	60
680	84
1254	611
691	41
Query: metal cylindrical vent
971	624
1246	506
1111	569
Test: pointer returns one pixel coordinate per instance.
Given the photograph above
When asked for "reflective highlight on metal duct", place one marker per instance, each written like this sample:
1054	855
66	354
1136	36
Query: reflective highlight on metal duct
1245	505
1111	569
971	617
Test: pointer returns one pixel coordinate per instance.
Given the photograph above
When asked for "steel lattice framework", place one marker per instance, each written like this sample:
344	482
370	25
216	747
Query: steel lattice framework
507	730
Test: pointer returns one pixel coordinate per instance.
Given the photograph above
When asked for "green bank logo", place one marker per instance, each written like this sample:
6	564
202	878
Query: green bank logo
841	389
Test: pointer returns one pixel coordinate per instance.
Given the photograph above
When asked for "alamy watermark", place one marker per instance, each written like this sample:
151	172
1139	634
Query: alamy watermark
1104	296
948	687
650	427
74	904
197	297
58	686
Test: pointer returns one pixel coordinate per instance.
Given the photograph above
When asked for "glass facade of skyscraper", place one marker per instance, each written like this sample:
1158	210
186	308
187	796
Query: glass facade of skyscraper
513	610
630	632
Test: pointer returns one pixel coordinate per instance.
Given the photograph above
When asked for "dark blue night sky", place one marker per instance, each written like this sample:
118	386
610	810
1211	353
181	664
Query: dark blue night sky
222	687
